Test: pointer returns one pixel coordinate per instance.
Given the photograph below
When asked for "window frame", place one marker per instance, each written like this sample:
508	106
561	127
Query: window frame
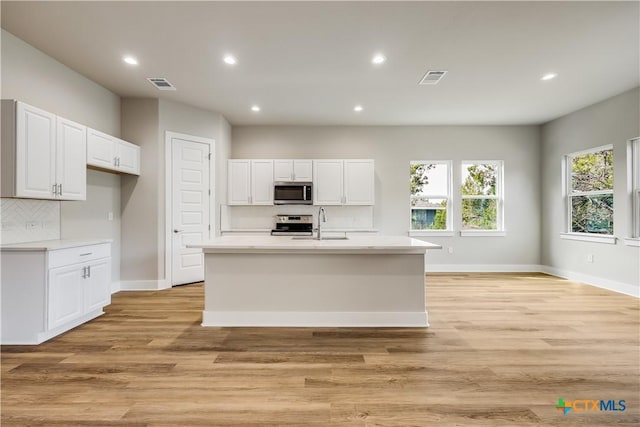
633	188
568	194
449	231
499	231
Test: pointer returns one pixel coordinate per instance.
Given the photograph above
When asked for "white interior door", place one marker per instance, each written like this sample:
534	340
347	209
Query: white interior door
190	208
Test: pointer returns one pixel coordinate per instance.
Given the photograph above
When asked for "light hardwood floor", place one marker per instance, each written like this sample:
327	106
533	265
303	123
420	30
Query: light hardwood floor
501	350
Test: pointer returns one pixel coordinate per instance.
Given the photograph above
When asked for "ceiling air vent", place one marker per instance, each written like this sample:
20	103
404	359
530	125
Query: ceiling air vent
161	83
432	77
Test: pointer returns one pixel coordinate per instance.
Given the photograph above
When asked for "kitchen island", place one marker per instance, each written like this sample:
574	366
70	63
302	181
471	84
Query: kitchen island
289	281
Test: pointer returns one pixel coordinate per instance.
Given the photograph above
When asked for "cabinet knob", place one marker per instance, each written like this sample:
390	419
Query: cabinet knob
177	231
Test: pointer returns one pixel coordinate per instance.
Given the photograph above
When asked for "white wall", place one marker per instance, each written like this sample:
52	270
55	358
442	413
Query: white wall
145	122
37	79
612	121
139	198
393	148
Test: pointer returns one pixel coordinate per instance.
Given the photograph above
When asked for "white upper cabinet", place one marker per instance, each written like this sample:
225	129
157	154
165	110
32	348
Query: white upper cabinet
328	182
359	187
250	182
101	150
43	156
108	152
71	169
128	156
293	170
343	182
239	182
262	182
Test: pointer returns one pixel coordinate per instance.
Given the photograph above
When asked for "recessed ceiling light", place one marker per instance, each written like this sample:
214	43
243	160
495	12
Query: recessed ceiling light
378	59
357	108
230	59
255	108
130	60
549	76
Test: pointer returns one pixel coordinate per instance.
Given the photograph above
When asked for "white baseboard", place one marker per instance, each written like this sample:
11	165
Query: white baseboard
483	268
314	318
599	282
115	287
143	285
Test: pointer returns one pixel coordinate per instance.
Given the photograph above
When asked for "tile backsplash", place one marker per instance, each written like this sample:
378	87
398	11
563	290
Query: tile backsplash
26	220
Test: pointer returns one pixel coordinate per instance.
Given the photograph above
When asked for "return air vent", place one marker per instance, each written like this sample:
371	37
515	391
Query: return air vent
161	83
432	77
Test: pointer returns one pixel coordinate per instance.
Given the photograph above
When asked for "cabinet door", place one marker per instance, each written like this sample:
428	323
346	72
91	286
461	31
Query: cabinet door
262	182
65	295
239	182
302	170
101	149
71	164
359	182
283	170
327	182
35	152
128	157
97	286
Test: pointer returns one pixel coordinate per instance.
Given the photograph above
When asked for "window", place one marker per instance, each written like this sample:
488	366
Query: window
430	188
634	188
482	197
589	189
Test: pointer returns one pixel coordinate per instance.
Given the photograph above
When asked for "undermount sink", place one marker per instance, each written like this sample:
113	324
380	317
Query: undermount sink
315	238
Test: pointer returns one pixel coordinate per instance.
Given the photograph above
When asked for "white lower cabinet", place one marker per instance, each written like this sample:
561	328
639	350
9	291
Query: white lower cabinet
66	299
47	292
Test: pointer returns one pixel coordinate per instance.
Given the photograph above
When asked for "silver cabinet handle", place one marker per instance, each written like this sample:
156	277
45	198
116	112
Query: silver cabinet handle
84	272
88	253
177	231
115	161
88	271
60	189
54	189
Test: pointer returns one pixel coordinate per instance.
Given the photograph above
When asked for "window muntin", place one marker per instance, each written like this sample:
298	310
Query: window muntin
430	195
482	195
590	191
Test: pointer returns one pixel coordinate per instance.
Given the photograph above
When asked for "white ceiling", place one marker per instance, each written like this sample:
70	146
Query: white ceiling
309	63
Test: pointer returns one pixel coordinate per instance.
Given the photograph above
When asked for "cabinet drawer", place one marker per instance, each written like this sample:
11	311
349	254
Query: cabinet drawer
61	257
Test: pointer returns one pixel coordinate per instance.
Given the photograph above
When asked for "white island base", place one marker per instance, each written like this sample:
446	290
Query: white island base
277	281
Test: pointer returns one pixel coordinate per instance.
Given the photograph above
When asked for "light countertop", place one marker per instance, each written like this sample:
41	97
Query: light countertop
52	245
290	244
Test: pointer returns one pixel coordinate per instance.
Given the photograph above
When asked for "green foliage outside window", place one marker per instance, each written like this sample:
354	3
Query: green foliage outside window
480	213
592	173
427	213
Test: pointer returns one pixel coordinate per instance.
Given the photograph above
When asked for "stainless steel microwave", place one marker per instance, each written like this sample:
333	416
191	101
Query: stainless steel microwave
292	193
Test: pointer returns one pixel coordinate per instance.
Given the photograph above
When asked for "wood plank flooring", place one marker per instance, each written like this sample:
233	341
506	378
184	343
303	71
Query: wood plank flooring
501	350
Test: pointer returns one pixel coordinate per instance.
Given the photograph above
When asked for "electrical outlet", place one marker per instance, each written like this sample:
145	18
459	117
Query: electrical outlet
590	258
110	216
32	225
450	249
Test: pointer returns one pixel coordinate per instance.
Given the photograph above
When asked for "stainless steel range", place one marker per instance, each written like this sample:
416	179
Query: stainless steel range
293	225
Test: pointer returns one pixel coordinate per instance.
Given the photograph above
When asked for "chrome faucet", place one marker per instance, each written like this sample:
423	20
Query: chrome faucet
322	217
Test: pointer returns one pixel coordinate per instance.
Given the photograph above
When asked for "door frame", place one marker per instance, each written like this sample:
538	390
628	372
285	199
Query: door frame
168	189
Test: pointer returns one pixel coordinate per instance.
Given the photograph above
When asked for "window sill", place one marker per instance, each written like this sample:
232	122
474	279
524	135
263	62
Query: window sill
595	238
483	233
632	241
433	233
